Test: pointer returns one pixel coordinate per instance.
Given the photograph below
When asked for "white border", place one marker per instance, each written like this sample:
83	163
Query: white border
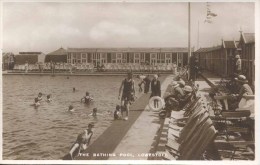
257	37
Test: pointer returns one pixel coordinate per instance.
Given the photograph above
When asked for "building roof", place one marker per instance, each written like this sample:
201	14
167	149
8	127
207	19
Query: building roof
208	49
21	59
229	44
30	53
60	51
113	50
248	37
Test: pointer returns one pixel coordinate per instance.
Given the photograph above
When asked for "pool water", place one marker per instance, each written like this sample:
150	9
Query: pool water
47	132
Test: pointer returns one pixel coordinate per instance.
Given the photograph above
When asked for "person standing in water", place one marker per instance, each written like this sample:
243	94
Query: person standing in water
128	86
87	99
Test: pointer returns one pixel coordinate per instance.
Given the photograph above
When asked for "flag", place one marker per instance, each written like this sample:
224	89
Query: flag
211	14
207	21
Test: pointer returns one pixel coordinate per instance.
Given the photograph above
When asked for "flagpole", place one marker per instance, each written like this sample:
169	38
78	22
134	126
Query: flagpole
189	50
198	41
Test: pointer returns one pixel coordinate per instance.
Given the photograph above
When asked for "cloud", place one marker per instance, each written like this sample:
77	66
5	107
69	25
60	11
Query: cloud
106	30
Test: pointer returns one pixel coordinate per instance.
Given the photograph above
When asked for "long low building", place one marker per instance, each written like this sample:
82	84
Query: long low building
128	55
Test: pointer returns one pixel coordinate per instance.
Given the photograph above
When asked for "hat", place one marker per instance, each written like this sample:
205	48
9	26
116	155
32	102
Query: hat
181	83
187	88
241	78
237	56
174	84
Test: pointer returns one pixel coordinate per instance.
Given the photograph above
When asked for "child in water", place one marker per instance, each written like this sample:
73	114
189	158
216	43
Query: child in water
36	102
71	108
49	98
87	99
117	112
94	113
40	96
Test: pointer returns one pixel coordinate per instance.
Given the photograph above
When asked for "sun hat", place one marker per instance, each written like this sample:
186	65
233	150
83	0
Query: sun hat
174	84
237	56
241	78
187	88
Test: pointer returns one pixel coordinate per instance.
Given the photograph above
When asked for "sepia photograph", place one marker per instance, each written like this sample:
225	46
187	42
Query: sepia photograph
155	81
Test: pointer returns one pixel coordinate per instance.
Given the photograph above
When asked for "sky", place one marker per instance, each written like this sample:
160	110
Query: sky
47	26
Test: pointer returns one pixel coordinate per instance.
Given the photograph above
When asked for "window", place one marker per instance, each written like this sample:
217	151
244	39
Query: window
119	55
131	57
113	57
84	55
153	55
78	56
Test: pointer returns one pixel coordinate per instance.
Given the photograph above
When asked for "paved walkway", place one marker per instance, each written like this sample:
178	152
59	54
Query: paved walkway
130	136
141	137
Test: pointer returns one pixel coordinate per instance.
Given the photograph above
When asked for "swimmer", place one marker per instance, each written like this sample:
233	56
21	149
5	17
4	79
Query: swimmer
94	113
87	99
82	142
36	102
40	96
71	108
117	112
49	98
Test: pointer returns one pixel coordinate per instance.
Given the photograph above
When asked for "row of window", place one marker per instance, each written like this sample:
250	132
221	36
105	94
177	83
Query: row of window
125	57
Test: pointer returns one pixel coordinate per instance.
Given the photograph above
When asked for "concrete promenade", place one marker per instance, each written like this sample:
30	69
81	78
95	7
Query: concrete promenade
140	138
126	140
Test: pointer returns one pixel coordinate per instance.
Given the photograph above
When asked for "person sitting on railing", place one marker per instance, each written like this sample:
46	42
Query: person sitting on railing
245	89
82	142
176	90
187	96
